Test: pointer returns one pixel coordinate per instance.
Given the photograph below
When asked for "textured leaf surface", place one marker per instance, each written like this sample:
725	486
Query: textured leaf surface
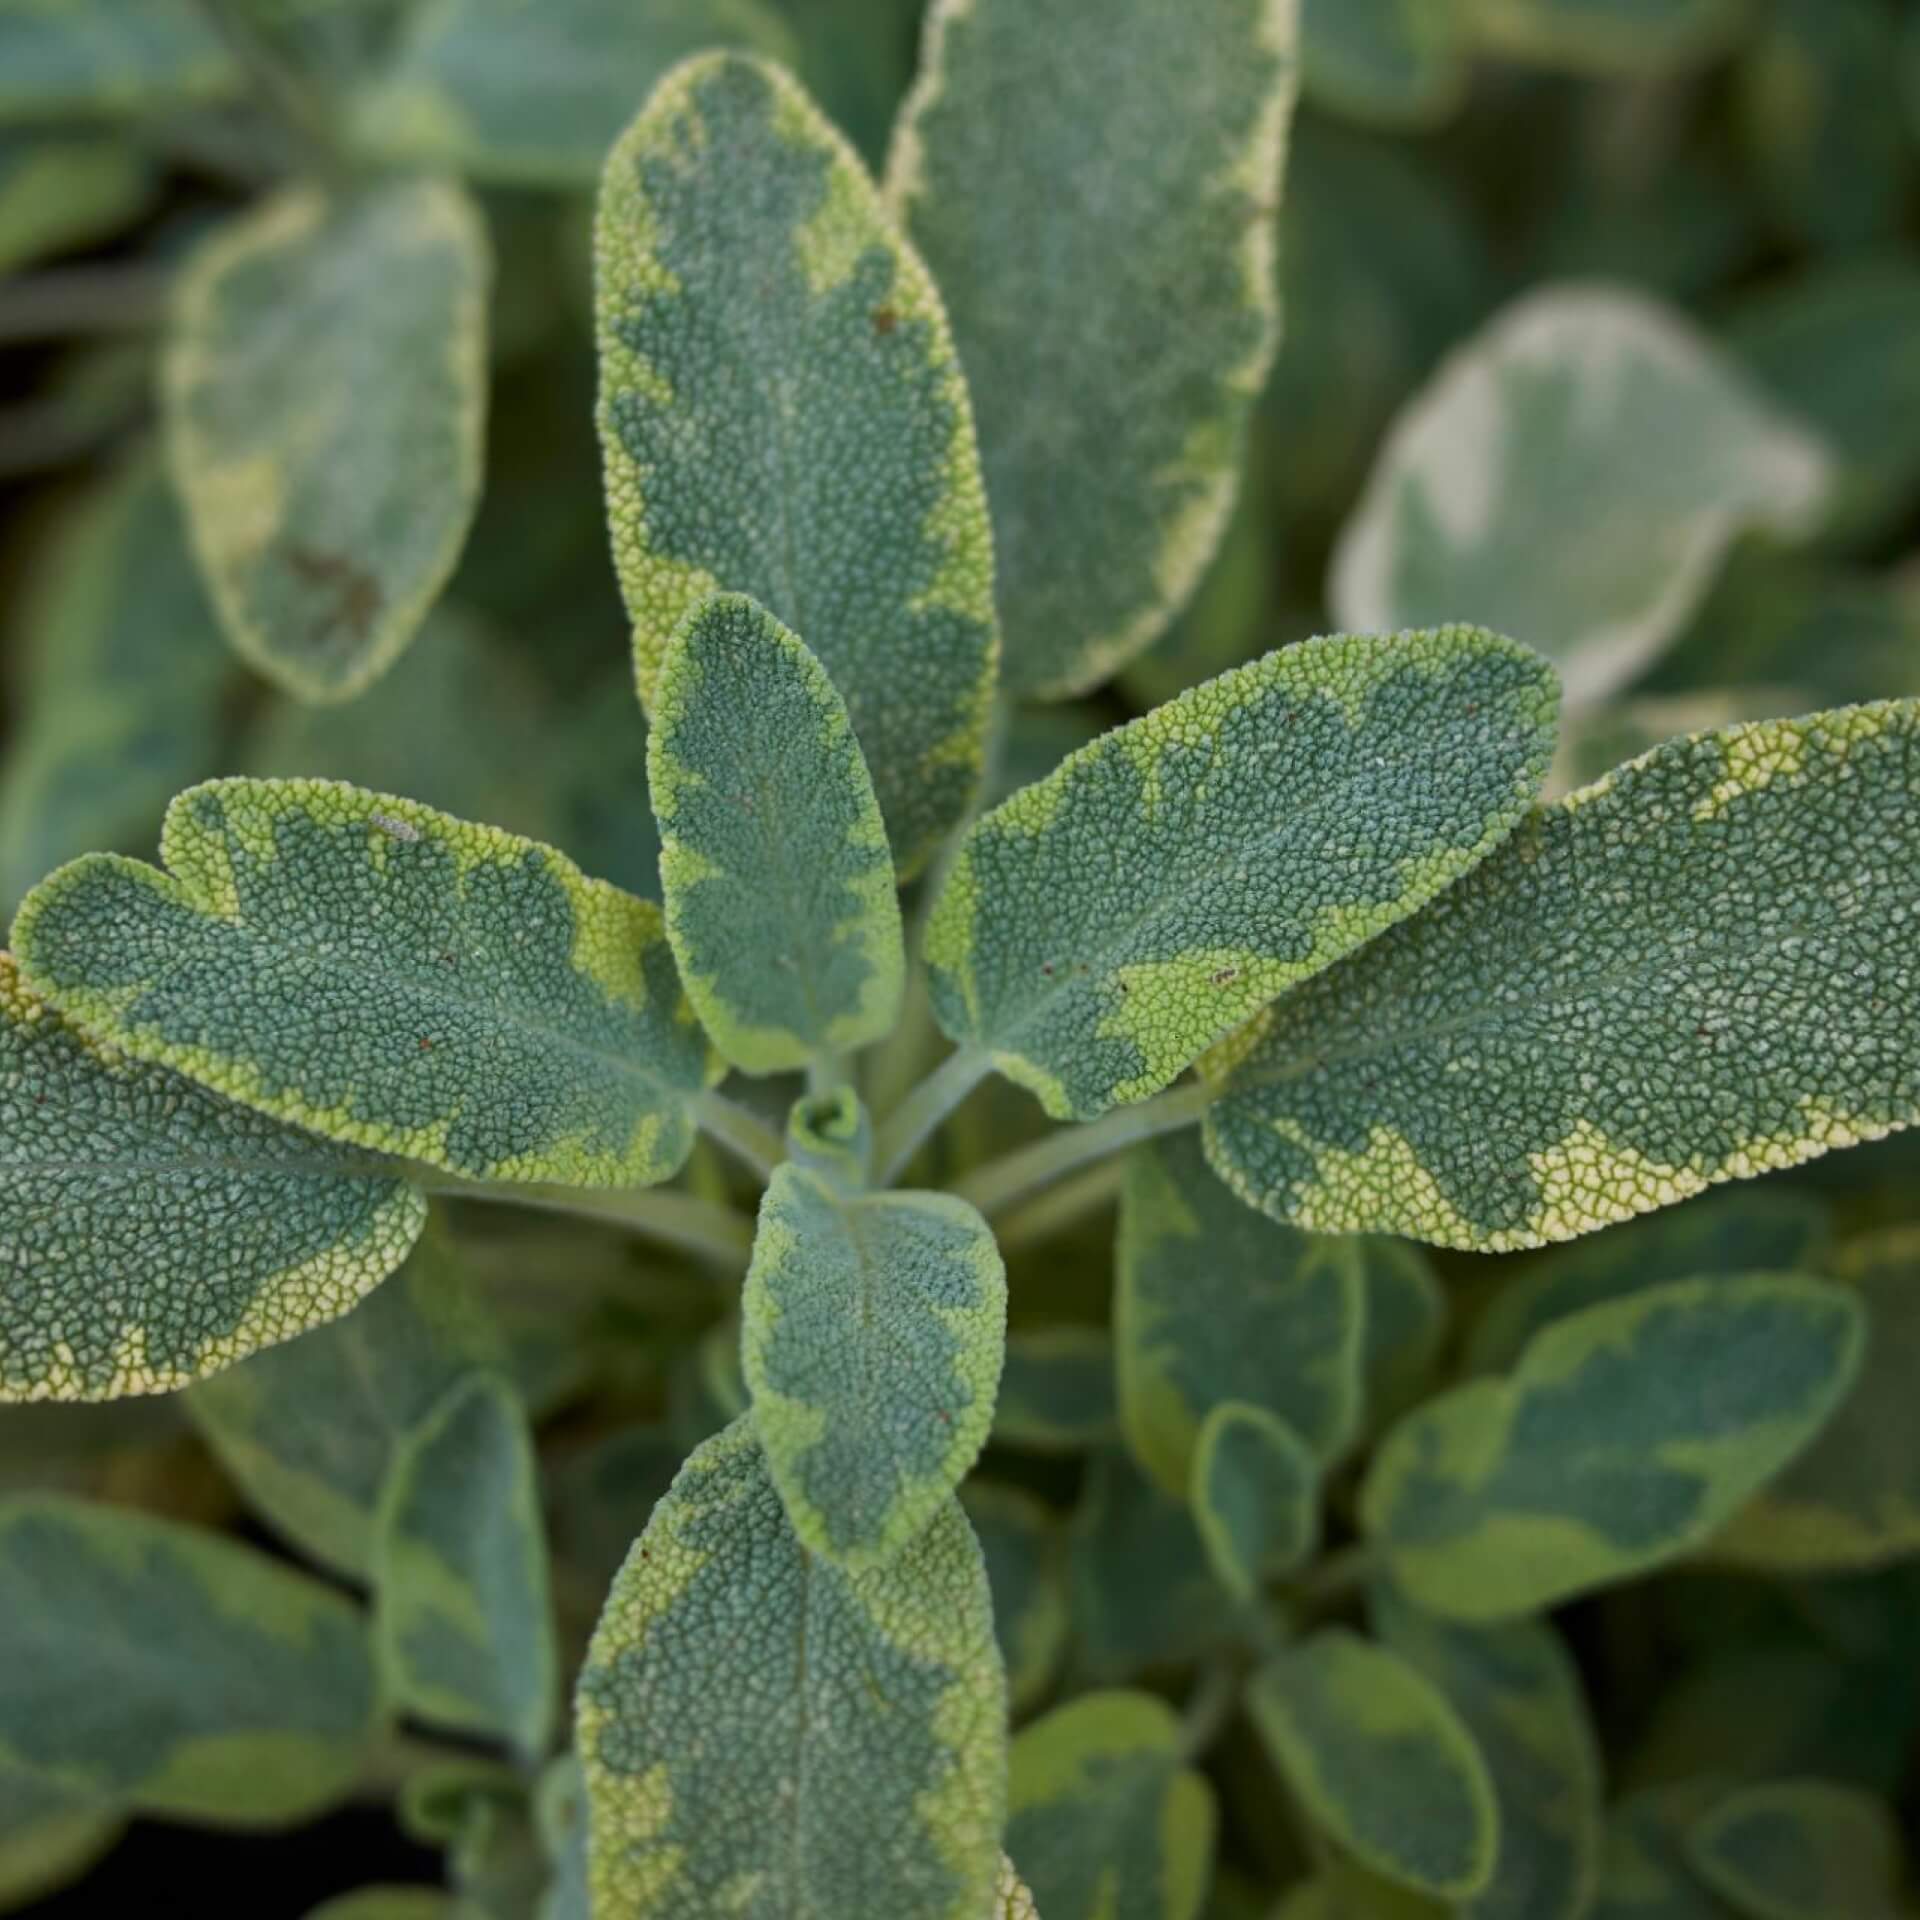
1215	1302
1103	1820
877	1732
780	900
1103	927
1381	1761
783	415
386	975
172	1671
1800	1850
156	1233
1117	324
323	388
1025	1553
1056	1391
873	1331
1604	36
60	57
1012	1899
1519	1695
1574	475
1720	936
1255	1496
1627	1434
1392	62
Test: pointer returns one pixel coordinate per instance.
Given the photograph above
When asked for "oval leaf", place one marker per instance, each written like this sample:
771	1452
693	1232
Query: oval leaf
1255	1496
878	1732
1696	970
782	414
1056	1391
1625	1436
1104	926
1025	1552
780	900
1800	1850
1096	187
49	1836
386	975
1395	63
323	388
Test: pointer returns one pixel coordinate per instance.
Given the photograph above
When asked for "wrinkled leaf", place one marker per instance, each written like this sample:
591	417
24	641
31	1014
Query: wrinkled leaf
1800	1850
1255	1496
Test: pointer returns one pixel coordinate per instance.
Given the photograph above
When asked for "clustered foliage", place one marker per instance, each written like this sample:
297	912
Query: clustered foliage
1032	1243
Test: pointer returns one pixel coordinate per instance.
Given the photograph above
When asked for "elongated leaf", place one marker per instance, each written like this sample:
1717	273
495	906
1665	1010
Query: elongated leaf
1519	1695
1625	1436
1102	928
1096	189
386	975
1471	513
1056	1391
874	1327
780	900
323	385
1695	970
1214	1302
156	1233
1103	1820
1255	1496
63	191
1381	1761
878	1732
1603	36
783	414
1800	1850
172	1671
1025	1552
67	57
1393	62
49	1835
1644	1873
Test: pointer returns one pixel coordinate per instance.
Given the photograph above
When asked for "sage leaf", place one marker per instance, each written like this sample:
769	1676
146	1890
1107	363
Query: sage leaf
1103	927
100	57
782	414
781	907
385	975
388	1903
879	1732
1626	1435
462	1613
1103	1819
1391	63
1644	1872
1380	1760
1215	1302
873	1327
1025	1551
1255	1496
323	385
49	1835
1800	1850
1406	1327
1011	1898
1693	971
172	1671
1117	324
1596	36
62	191
1056	1391
1470	513
155	1232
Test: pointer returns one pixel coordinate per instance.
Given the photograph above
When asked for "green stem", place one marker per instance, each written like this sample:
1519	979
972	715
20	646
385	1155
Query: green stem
995	1187
661	1213
1335	1579
908	1125
744	1135
282	87
1061	1207
1209	1707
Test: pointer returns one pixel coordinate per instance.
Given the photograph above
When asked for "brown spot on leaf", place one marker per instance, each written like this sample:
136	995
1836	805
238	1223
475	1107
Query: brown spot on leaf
885	320
352	597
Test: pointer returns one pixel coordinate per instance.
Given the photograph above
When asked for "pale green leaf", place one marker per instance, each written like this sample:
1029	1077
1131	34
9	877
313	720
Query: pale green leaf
62	58
1605	36
783	414
49	1835
1215	1302
62	191
1573	475
385	975
1025	1551
174	1672
1101	929
779	885
323	386
389	1903
1255	1496
1103	1820
1381	1761
1518	1693
1096	186
873	1331
1698	969
1800	1850
1626	1435
1012	1900
1394	63
1056	1391
878	1732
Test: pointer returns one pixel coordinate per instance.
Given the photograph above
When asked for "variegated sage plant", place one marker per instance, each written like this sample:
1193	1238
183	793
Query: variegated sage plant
1298	966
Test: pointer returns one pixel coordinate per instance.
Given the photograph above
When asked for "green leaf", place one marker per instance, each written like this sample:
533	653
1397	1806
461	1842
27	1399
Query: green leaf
323	387
783	414
1626	1435
1101	929
1394	63
1644	1873
1406	1326
175	1672
49	1835
779	885
386	975
1095	187
1605	36
1056	1391
63	191
504	92
1255	1496
1381	1761
1800	1850
1025	1552
1103	1819
61	58
1519	1695
1546	1052
388	1903
155	1233
877	1732
1012	1900
1214	1302
873	1331
1471	514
